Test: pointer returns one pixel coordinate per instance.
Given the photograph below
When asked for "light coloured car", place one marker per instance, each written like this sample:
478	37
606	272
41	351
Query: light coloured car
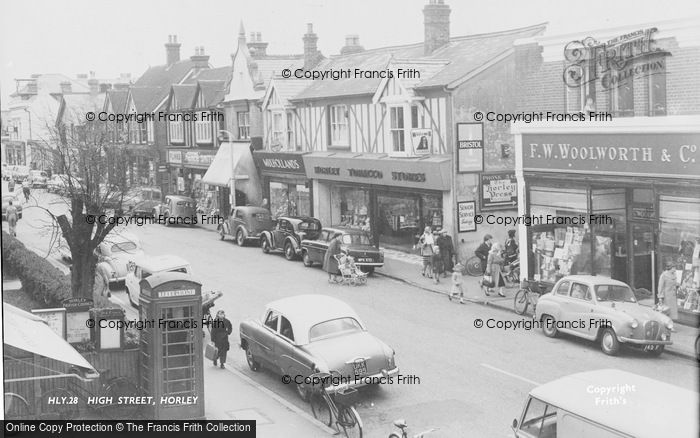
144	266
608	403
603	310
177	210
38	178
114	253
306	334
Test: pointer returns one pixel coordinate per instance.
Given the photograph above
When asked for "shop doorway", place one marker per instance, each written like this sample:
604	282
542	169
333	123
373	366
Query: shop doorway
643	257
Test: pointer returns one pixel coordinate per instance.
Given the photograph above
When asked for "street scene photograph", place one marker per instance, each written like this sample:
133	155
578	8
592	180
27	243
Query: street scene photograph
310	218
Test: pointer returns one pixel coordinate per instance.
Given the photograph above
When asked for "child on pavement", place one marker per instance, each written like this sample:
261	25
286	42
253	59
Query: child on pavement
457	284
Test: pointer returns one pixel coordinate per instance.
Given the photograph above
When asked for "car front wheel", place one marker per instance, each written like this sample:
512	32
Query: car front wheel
265	245
549	326
609	343
289	253
253	364
307	259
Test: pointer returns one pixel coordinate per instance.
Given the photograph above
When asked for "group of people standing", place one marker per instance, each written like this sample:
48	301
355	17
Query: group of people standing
493	258
438	252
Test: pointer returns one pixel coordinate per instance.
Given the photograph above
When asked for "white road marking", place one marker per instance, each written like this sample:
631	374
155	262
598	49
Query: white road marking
511	374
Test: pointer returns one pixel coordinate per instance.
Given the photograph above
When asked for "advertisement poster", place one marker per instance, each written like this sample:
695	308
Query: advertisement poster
422	141
466	211
470	147
498	190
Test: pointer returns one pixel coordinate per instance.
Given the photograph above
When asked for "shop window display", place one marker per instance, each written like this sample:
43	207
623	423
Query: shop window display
353	208
289	199
680	244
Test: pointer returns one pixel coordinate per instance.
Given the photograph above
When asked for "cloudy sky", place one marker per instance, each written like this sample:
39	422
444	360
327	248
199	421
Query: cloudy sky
113	37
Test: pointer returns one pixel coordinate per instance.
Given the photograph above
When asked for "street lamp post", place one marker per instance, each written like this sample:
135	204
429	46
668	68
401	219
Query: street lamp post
232	183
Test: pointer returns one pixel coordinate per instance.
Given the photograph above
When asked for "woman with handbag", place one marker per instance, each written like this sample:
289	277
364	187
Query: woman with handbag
426	243
494	264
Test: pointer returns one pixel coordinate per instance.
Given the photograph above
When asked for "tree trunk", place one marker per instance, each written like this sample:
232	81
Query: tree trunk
83	275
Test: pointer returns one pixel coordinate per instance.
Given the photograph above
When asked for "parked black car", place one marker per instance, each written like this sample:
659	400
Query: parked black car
287	234
355	243
246	223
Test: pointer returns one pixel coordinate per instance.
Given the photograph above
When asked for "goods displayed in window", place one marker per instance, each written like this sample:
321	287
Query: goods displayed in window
567	251
289	199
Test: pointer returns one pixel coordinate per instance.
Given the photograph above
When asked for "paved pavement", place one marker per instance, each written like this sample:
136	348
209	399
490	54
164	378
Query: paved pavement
407	268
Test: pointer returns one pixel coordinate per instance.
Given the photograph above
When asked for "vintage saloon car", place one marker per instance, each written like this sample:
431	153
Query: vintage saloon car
353	242
604	310
145	266
246	224
306	334
177	210
114	253
287	234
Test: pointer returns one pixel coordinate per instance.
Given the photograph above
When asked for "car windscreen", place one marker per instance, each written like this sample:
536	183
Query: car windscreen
309	226
123	247
610	292
356	239
334	327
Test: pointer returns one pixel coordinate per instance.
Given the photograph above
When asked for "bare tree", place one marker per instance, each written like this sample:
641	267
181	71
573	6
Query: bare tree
95	184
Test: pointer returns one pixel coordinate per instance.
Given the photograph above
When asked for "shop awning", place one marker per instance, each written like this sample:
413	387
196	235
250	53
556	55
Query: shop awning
225	166
432	172
30	333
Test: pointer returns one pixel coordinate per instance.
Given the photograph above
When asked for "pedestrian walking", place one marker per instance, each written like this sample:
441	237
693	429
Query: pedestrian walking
425	244
11	213
668	284
447	251
330	264
437	266
483	251
11	185
510	249
221	330
456	289
494	264
26	189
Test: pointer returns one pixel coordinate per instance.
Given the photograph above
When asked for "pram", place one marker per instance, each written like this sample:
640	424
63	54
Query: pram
350	273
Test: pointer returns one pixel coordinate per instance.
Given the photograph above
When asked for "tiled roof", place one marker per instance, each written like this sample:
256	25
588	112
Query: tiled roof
75	106
211	74
146	99
462	55
118	99
184	95
213	92
269	66
288	88
164	75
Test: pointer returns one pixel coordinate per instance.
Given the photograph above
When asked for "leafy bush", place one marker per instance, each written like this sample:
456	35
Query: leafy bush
40	278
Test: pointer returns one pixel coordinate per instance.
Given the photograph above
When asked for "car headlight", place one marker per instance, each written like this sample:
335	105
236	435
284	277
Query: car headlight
669	325
634	324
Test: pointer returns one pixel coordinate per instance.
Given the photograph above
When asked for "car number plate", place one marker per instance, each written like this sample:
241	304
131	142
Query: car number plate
360	367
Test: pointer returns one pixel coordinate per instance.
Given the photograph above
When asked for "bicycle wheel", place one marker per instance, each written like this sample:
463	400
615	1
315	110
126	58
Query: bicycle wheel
521	301
321	410
118	389
349	422
59	404
474	267
16	407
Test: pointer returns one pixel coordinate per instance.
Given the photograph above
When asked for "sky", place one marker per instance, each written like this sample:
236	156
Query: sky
126	36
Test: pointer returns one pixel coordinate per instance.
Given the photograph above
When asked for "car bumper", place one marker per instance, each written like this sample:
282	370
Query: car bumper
644	341
372	264
344	386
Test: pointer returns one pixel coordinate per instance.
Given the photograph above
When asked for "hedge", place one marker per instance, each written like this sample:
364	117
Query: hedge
39	277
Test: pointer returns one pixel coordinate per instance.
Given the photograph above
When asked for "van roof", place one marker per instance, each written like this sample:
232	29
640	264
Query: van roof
646	408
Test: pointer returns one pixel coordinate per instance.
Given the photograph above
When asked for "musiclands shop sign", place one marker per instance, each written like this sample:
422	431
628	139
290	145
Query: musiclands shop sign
667	155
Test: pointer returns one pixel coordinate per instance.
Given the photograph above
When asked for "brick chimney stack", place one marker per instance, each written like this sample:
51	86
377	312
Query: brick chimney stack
93	84
199	58
436	21
66	87
172	50
352	45
312	56
256	46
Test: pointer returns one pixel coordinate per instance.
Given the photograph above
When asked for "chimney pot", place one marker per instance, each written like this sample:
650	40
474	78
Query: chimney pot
66	87
309	28
172	50
436	22
258	37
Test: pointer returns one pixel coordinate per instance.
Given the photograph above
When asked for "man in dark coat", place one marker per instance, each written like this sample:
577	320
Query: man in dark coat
447	250
330	264
221	329
483	251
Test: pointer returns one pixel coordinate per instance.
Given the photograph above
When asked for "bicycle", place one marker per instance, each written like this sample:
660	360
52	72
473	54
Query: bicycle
339	405
17	407
474	266
529	293
401	424
114	391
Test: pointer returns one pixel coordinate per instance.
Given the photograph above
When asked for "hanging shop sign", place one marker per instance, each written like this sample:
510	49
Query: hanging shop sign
498	190
466	211
422	141
649	155
470	147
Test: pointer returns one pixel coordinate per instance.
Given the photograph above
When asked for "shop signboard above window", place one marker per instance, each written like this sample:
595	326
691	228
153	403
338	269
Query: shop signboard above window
498	190
175	157
422	140
199	158
672	155
279	162
470	147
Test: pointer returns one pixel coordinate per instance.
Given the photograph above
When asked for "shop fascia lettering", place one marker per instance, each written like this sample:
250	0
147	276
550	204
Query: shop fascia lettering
371	173
277	163
565	151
